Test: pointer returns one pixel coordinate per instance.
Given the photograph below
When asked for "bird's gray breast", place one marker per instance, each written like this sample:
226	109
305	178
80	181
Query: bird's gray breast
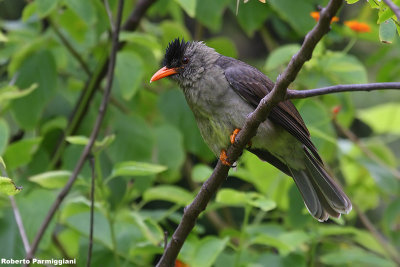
217	108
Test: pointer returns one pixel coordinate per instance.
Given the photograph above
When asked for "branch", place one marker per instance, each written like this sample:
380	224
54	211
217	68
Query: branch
96	128
393	7
295	94
220	172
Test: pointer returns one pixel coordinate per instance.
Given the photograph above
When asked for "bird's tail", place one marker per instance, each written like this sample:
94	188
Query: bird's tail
321	194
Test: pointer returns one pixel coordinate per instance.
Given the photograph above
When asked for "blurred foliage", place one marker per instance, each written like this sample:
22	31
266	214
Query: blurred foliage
150	159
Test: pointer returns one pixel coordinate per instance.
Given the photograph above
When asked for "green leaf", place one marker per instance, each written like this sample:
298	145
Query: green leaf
168	193
272	241
134	139
201	173
251	15
77	140
189	6
172	30
387	31
134	168
281	56
45	7
223	46
210	13
8	187
384	13
20	153
207	251
4	135
169	151
175	110
343	68
373	4
354	256
98	145
352	1
84	9
383	118
103	144
128	73
34	206
296	13
12	92
54	123
260	201
28	110
51	179
144	39
231	197
150	230
319	123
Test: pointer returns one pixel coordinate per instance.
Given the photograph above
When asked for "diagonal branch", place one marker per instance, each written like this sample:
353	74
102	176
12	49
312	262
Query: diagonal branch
393	7
96	128
294	94
220	172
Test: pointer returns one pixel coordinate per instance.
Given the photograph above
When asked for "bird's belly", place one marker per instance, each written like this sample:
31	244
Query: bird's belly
217	128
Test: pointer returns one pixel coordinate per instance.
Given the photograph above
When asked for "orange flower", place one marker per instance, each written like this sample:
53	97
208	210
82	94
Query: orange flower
358	26
315	15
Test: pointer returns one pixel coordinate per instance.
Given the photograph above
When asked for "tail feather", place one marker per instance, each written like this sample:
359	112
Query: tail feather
321	195
335	196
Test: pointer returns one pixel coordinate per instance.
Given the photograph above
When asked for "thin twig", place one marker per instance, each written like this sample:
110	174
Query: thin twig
165	239
393	7
20	224
89	257
394	255
70	48
220	172
295	94
96	128
60	246
353	138
109	14
17	215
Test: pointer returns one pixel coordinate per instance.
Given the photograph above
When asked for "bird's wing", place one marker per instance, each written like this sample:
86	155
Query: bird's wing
252	85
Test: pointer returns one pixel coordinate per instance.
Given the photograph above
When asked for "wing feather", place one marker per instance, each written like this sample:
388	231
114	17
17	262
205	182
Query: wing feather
252	85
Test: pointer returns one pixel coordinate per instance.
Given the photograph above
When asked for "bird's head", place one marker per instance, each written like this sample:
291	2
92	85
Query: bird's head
185	61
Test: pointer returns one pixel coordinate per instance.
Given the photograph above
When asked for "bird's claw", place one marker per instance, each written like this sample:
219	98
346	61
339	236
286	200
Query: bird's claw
233	137
224	158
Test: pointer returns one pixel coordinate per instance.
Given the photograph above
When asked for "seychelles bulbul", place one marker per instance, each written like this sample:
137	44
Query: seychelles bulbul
222	91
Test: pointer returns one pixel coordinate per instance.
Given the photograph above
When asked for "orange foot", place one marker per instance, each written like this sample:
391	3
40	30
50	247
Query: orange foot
224	158
233	137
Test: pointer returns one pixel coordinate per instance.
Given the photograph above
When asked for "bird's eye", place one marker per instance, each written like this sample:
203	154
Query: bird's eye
185	60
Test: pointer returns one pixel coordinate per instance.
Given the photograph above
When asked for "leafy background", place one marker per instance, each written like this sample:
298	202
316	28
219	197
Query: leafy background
150	159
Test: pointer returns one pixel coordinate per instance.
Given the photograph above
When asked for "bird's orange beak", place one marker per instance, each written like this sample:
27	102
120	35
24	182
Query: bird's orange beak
161	73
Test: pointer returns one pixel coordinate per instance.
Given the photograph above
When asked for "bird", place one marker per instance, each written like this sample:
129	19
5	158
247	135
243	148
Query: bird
222	91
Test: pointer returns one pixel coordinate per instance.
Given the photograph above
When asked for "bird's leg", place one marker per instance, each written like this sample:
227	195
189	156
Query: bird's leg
224	158
233	137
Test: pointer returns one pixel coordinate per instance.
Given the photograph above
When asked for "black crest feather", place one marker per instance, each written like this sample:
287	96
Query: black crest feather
174	53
